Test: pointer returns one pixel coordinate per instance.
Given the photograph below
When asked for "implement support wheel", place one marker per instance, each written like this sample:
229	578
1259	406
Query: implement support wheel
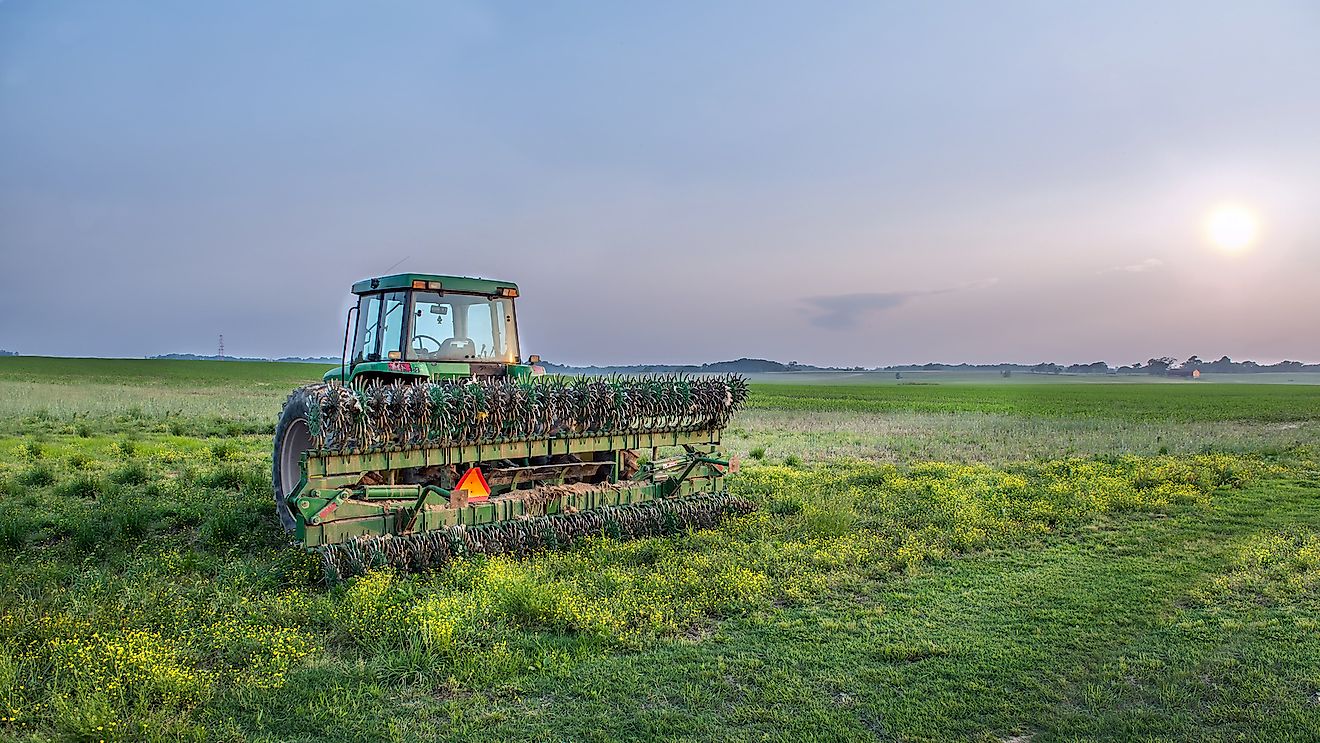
292	438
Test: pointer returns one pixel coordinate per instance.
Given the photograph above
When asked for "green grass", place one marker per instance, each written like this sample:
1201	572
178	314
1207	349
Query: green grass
1113	632
1126	402
899	437
929	562
124	396
195	376
912	378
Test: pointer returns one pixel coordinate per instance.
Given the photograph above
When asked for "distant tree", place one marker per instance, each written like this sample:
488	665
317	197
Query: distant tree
1193	362
3	352
1160	365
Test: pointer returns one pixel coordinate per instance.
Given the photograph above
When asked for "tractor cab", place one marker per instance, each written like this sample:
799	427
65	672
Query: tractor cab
423	325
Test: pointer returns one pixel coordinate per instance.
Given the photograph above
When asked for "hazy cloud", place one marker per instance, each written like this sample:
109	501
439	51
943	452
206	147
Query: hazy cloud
843	311
1150	264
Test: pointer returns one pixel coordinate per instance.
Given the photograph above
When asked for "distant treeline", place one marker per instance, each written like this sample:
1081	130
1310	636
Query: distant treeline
3	352
738	365
1161	365
294	359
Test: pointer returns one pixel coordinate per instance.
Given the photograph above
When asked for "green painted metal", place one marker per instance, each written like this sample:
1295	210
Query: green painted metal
356	518
523	370
392	369
331	505
435	370
460	284
331	463
402	369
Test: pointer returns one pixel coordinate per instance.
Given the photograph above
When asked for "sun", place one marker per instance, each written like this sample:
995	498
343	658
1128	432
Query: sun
1231	228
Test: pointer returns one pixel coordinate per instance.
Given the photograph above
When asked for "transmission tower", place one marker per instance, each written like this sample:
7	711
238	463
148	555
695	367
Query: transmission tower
221	352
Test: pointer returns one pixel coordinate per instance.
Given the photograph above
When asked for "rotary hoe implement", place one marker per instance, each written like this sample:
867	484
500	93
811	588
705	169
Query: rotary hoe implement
434	440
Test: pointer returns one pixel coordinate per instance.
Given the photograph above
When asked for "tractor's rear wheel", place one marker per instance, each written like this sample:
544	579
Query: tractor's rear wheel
292	438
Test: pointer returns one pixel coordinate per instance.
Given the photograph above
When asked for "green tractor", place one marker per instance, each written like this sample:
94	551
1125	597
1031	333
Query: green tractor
435	439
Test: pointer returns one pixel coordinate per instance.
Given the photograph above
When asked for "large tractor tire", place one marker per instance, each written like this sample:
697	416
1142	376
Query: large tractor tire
292	438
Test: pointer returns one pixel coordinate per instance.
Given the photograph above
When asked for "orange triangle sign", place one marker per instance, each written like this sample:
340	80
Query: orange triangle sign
475	484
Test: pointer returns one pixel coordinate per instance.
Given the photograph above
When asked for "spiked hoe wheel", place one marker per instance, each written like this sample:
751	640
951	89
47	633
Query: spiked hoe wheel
411	463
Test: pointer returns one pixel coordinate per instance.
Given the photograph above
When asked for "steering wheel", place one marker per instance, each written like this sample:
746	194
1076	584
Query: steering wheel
417	343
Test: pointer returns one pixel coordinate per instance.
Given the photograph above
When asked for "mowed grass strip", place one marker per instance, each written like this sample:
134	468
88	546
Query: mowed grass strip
157	372
89	397
1192	401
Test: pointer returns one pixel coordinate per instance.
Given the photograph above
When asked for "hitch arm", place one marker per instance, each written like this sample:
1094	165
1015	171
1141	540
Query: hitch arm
422	497
675	481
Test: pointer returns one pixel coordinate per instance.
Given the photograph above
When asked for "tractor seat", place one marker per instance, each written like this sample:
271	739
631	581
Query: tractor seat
460	347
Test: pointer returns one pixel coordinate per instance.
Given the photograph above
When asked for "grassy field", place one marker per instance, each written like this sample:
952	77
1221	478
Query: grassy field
958	560
908	378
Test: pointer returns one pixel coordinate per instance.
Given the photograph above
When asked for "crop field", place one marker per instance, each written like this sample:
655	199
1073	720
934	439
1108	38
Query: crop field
950	560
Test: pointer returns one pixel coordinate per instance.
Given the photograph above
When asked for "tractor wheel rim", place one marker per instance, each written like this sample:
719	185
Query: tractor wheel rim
297	439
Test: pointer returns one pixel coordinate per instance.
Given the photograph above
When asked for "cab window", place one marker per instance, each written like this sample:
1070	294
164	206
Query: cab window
380	326
462	327
366	346
392	319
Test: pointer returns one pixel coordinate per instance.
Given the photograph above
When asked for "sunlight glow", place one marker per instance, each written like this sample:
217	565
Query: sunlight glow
1231	228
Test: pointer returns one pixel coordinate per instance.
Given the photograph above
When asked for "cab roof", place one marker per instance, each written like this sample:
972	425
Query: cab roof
464	284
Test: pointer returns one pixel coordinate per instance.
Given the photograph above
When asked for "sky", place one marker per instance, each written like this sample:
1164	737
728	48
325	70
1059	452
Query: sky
843	183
